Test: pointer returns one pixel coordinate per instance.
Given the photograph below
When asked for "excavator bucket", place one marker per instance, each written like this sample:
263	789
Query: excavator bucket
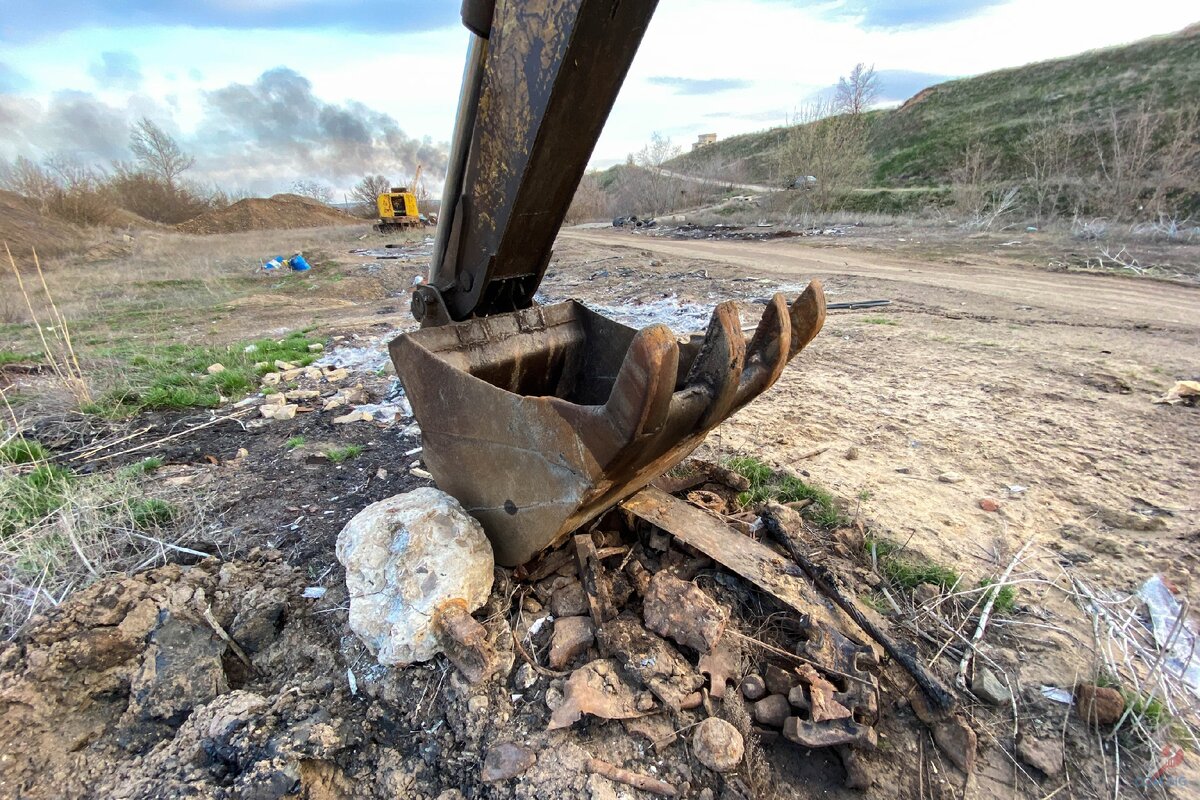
540	419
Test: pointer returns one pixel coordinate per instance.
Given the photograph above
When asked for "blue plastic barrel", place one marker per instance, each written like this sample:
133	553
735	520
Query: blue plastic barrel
298	263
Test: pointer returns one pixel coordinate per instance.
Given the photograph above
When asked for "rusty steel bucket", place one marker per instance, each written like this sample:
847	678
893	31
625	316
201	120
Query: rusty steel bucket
539	420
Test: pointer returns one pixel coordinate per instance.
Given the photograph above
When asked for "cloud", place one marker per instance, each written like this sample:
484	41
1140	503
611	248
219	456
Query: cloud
699	85
11	81
777	115
116	70
912	13
275	130
27	21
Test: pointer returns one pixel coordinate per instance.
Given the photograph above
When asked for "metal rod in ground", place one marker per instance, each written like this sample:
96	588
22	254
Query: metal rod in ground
857	304
939	696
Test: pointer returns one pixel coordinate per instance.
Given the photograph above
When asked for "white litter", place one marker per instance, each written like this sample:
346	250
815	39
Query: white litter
1057	695
314	592
1173	634
538	624
353	681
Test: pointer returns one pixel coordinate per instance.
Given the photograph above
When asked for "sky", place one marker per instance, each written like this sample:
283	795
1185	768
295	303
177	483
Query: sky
265	92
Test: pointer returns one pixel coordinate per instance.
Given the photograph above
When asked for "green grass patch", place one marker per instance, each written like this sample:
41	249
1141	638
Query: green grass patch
175	377
907	571
879	321
766	484
149	513
23	451
13	357
26	499
339	454
1006	597
294	442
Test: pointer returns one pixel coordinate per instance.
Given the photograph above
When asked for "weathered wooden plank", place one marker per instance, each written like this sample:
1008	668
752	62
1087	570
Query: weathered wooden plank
757	563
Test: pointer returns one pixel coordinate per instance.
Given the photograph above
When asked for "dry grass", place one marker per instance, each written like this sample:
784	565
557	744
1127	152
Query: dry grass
65	531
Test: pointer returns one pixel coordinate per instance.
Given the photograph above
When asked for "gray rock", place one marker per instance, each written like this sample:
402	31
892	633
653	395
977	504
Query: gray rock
772	711
1045	755
988	688
572	636
569	600
405	557
718	745
753	687
506	760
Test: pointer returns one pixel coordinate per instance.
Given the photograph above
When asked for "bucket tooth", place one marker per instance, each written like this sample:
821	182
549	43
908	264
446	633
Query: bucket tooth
540	420
719	365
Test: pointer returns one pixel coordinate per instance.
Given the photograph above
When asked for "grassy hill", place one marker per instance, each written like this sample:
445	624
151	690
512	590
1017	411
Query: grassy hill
920	142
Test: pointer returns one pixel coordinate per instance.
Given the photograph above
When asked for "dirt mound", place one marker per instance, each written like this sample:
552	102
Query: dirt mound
281	211
23	228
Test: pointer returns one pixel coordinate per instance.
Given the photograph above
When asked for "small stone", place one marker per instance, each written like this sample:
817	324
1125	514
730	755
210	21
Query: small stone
718	745
1100	705
799	698
353	416
274	399
261	366
526	677
1043	754
506	760
958	742
753	687
278	411
572	636
569	600
950	477
301	394
852	454
772	711
271	379
283	366
335	375
316	347
926	593
215	369
242	452
381	474
989	504
780	681
988	688
477	704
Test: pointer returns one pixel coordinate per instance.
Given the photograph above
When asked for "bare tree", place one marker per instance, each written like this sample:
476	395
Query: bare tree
1049	156
590	202
856	93
652	188
1146	159
157	152
367	191
976	189
825	153
313	190
29	179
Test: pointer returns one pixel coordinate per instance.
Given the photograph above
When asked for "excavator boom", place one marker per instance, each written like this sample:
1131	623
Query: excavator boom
539	418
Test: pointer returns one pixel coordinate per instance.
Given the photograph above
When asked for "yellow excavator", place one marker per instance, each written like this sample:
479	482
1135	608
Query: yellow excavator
539	418
398	208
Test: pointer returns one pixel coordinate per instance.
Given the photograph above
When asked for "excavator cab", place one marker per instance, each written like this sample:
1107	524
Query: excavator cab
540	418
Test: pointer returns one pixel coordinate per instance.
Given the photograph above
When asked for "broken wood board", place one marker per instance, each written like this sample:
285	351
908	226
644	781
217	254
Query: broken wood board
755	562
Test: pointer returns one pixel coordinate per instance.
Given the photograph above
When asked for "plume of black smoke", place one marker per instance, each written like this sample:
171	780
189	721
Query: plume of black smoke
277	128
259	137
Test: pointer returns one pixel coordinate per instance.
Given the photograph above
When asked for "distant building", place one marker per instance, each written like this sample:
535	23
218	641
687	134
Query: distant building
704	140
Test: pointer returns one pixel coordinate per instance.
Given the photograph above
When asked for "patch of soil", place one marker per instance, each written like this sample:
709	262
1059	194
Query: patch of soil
280	211
24	228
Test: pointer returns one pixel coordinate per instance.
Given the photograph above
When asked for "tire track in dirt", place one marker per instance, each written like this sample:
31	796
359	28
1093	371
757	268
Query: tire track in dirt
1136	300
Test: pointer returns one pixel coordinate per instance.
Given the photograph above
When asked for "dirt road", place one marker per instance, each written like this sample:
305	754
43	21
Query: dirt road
1095	297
